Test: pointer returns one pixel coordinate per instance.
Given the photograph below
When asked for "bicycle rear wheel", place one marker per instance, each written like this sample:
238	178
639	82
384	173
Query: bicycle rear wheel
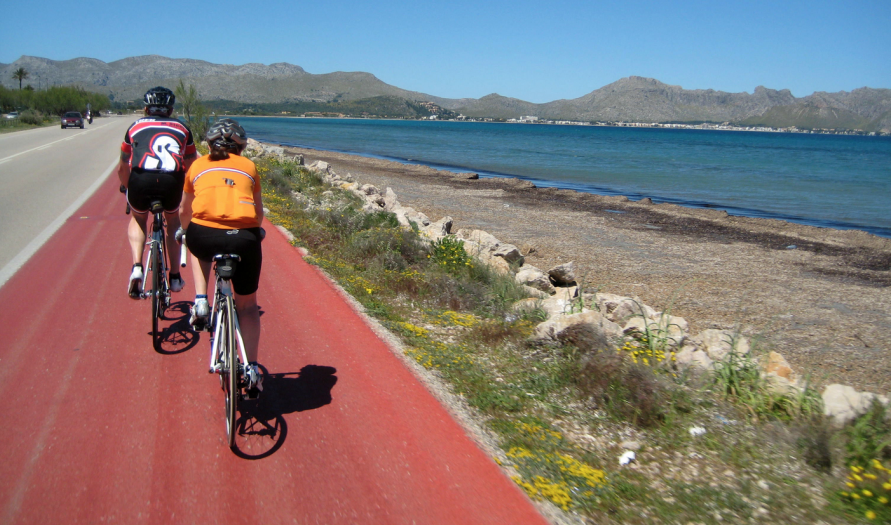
155	263
231	348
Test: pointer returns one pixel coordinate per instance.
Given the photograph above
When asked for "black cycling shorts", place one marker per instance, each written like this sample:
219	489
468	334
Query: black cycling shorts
143	187
205	242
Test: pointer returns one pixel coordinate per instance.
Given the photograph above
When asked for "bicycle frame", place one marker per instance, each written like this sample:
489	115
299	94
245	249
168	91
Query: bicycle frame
222	293
157	237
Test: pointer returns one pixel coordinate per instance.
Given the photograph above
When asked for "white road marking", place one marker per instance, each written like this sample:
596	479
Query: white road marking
38	148
19	260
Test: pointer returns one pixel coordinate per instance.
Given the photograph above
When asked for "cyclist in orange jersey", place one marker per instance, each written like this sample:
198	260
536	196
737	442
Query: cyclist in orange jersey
221	213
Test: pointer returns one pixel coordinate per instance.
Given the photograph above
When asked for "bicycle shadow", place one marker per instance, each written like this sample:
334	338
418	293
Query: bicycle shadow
261	426
177	337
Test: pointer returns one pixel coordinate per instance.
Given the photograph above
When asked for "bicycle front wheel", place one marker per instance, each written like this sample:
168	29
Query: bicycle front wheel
231	348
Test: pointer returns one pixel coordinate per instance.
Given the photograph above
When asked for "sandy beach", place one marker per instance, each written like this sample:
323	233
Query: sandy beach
821	297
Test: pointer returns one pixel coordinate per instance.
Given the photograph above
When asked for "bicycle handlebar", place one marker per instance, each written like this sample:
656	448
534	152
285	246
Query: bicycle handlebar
182	252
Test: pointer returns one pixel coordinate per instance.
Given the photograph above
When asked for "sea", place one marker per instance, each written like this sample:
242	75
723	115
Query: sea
832	181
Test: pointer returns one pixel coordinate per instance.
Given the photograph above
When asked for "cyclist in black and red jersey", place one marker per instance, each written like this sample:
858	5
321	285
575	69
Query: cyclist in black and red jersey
155	155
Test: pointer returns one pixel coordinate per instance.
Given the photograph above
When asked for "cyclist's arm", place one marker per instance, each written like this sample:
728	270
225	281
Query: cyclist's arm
188	159
124	168
185	210
258	205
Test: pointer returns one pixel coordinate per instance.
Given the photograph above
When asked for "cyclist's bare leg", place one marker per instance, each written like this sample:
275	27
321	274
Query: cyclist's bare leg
249	321
200	272
173	247
136	234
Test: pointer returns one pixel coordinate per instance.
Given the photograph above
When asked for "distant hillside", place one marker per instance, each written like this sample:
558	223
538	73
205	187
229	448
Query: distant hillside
286	86
637	99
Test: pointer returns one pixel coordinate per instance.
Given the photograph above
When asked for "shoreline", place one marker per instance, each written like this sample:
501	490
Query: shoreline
817	295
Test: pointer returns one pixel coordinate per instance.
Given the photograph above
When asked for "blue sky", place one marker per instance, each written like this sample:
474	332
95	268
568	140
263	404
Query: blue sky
534	51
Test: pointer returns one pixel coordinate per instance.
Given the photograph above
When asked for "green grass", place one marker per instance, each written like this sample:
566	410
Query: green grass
559	412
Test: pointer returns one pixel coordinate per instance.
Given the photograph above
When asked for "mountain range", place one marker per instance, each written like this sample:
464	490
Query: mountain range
631	99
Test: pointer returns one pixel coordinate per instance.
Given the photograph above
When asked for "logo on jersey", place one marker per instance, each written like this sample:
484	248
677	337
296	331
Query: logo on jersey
229	182
164	154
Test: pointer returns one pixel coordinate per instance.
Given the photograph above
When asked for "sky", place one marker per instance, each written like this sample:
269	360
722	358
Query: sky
538	51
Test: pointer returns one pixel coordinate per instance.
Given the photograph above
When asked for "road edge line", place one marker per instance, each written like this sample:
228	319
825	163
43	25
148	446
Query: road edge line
23	256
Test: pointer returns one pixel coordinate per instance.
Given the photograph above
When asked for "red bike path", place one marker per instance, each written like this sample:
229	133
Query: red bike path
101	428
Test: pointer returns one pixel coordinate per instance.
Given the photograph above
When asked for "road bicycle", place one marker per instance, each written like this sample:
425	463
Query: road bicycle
227	354
156	264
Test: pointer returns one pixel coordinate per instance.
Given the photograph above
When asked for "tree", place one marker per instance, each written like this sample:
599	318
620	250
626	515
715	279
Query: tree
195	112
20	74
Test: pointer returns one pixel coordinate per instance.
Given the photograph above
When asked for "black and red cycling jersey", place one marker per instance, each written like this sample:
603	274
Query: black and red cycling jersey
158	144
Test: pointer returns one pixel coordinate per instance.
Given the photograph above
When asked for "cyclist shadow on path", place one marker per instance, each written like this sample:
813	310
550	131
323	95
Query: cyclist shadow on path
178	336
262	428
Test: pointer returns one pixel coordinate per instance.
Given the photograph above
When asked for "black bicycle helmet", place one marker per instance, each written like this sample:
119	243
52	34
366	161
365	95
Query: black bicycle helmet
226	133
159	96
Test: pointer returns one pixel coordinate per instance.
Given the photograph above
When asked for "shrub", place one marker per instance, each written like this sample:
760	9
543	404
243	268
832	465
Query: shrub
869	437
32	117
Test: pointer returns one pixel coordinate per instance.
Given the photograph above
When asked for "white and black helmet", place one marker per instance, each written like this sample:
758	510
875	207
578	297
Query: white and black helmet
159	96
226	133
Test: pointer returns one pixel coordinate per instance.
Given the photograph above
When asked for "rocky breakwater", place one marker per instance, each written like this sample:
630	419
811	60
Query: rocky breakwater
616	319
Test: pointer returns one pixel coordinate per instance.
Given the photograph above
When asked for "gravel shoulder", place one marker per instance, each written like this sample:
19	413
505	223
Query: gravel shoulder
819	296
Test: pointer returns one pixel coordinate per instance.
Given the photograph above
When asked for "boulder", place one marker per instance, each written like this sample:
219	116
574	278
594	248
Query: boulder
842	403
529	275
563	274
320	165
622	309
690	356
671	330
719	343
777	365
561	302
390	201
437	230
550	330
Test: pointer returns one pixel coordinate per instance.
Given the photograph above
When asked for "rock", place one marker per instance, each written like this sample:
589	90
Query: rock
563	274
550	330
690	356
535	292
276	151
717	343
622	309
671	330
437	230
561	302
320	165
390	201
842	403
531	276
777	365
368	189
630	445
526	305
509	253
298	159
780	386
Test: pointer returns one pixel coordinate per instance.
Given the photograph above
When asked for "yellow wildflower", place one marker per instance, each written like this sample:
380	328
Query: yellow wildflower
883	500
886	486
870	515
867	493
850	485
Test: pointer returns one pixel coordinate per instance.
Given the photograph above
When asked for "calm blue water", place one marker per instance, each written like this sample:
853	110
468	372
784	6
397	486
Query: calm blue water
835	181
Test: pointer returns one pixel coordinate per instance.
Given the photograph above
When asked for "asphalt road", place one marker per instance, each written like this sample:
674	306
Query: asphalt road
46	173
101	428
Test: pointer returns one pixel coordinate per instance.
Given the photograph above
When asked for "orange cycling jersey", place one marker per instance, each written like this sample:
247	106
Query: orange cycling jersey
225	192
